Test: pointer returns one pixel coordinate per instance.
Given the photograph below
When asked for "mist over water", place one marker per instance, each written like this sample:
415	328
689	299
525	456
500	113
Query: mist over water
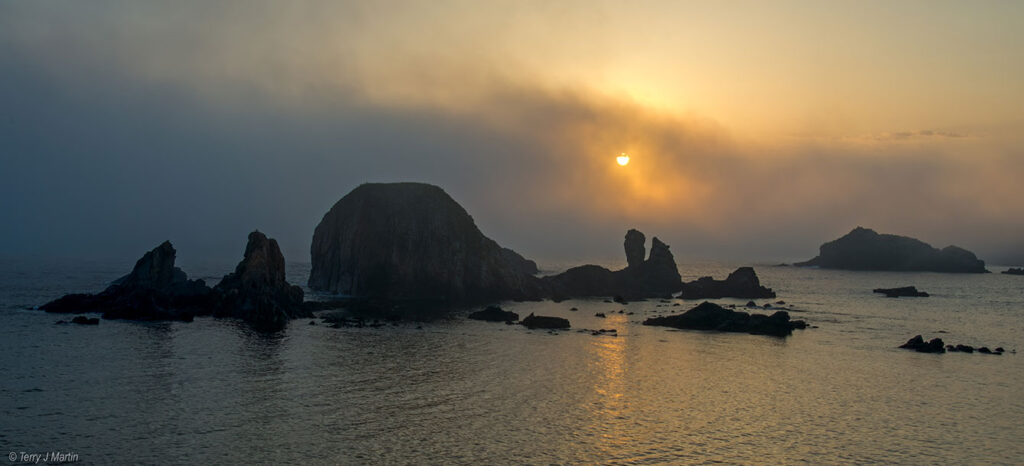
476	392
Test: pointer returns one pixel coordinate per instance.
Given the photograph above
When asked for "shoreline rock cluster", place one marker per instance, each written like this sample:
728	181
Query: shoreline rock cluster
936	345
412	241
156	290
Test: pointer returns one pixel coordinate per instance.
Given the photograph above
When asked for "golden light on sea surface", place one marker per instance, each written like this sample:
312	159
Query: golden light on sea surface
623	159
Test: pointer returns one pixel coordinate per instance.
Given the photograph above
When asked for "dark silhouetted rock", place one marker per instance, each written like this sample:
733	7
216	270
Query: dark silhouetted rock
599	314
154	290
742	283
918	344
710	316
655	277
864	249
518	262
495	314
635	249
531	321
413	241
257	291
906	291
83	320
1014	271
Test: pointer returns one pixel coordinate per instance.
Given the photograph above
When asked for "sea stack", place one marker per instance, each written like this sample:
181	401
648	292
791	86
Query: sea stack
154	290
413	241
257	290
657	276
865	249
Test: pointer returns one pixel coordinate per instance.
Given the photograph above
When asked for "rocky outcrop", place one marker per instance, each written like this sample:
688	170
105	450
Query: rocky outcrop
494	314
257	290
654	277
742	283
906	291
154	290
710	316
936	345
80	320
1014	271
635	249
531	322
413	241
864	249
918	344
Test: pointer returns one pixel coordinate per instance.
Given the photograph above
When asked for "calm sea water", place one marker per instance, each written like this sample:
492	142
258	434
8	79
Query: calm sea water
213	391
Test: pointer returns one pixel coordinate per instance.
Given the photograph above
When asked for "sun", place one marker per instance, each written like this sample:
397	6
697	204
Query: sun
623	159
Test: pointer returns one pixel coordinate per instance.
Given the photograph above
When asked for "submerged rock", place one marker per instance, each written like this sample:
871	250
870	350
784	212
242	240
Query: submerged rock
154	290
710	316
742	283
865	249
494	314
413	241
257	291
906	291
83	320
531	321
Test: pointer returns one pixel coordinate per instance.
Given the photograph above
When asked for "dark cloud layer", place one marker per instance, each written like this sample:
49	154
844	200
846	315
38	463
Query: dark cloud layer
100	160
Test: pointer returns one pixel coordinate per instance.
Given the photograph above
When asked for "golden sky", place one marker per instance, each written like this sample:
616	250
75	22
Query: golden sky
802	118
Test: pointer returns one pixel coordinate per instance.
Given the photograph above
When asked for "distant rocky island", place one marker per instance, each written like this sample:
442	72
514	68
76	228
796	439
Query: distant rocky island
1014	271
865	249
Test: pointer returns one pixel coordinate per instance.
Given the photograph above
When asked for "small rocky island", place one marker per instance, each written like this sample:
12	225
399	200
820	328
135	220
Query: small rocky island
1014	271
255	292
743	284
905	291
710	316
865	249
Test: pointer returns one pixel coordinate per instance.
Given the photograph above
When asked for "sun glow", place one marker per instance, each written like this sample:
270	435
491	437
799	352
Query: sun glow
622	159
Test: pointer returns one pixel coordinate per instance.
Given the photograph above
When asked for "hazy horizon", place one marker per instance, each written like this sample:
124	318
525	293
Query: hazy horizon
755	134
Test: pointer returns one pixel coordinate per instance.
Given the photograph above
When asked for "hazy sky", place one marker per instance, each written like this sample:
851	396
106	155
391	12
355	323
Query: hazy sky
757	130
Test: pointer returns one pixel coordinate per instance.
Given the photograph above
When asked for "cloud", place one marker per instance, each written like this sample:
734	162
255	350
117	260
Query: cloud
117	144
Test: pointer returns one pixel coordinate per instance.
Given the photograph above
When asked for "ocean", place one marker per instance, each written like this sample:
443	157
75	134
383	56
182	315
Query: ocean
469	392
